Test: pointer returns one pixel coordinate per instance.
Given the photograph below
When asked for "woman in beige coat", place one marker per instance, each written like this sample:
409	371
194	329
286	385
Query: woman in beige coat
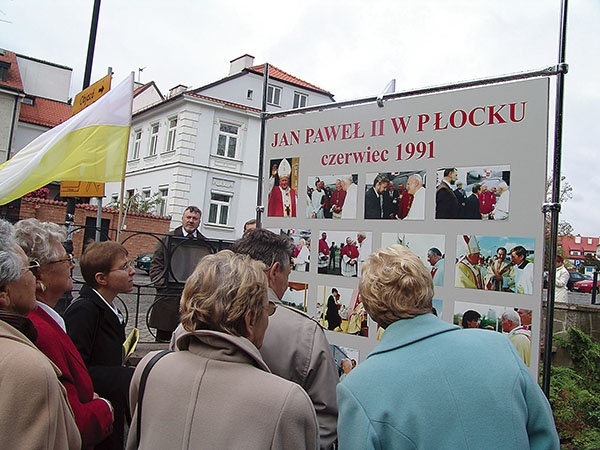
217	392
34	411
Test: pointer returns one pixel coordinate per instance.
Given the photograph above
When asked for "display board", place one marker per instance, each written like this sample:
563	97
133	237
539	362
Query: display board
329	184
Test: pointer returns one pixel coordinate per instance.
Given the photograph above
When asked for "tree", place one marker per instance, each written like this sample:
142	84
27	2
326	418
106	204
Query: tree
564	227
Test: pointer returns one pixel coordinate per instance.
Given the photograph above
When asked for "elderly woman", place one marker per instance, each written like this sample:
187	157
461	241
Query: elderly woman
97	327
34	411
469	386
42	242
217	392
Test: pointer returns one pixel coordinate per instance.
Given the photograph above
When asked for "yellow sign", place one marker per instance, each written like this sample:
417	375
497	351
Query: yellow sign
90	94
81	189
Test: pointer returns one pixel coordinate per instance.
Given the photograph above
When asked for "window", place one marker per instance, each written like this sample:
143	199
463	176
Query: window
227	143
146	193
153	139
300	100
171	135
137	140
161	208
274	95
219	208
114	199
249	94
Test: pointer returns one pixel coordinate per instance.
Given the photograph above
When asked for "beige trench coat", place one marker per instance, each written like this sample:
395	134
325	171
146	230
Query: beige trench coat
34	410
217	393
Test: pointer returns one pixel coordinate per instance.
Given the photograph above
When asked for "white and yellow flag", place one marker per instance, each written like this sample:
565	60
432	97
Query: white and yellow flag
90	146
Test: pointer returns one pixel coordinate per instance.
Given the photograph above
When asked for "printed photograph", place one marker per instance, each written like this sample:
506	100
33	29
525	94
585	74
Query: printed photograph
283	187
495	263
395	195
342	311
478	193
296	296
343	252
301	255
331	196
513	321
430	248
346	359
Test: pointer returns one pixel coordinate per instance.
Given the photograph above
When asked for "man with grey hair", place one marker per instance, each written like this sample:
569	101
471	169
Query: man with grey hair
414	186
500	211
164	315
349	186
519	336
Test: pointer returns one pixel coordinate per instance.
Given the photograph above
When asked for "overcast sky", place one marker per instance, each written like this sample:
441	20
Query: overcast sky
350	48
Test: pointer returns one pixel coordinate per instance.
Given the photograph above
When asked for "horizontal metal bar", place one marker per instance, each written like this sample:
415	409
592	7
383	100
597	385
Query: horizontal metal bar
548	71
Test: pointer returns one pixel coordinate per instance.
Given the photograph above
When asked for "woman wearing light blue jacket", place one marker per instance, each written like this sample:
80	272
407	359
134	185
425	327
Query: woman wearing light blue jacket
431	385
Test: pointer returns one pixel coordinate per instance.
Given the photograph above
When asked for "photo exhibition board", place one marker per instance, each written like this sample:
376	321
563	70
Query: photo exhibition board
328	184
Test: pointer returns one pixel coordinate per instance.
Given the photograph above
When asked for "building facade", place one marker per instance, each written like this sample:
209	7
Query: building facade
201	147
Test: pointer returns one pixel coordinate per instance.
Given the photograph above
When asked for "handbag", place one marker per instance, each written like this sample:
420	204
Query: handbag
142	388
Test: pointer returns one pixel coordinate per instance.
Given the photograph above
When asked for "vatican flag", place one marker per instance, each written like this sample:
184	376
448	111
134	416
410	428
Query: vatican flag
90	146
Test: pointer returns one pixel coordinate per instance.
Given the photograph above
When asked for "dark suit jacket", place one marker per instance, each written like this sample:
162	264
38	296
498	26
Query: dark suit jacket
93	416
472	208
373	208
99	336
446	204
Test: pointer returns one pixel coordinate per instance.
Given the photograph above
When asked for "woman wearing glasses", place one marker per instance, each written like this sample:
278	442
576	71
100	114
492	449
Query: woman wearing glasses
34	411
51	265
216	391
97	327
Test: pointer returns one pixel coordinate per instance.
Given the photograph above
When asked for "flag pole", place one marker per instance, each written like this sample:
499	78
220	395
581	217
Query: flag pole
124	165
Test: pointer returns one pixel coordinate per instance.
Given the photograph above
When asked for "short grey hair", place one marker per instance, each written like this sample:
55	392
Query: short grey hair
10	262
40	240
512	316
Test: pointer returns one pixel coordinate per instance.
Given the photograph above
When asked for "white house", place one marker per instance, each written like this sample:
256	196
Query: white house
201	147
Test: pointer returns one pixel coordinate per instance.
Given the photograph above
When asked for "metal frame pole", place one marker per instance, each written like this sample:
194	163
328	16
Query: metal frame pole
263	123
554	206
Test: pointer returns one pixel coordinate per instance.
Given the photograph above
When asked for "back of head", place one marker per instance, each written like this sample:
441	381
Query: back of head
264	245
395	285
10	263
223	288
40	241
99	257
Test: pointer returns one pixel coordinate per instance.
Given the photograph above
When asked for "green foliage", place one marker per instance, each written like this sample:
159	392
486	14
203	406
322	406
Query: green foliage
575	393
138	203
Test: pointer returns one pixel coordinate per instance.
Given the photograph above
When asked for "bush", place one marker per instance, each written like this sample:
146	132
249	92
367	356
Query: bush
575	393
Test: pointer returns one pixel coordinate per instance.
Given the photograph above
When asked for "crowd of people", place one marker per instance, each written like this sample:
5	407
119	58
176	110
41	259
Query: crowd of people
245	370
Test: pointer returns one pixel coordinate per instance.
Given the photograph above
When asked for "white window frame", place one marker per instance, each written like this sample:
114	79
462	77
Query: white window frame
217	206
226	137
300	100
171	135
274	95
154	130
137	142
163	194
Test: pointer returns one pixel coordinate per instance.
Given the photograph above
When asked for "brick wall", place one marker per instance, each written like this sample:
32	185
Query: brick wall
139	236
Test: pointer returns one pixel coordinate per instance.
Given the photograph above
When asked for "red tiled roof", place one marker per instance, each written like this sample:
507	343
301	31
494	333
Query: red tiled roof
568	243
13	80
279	74
48	113
222	102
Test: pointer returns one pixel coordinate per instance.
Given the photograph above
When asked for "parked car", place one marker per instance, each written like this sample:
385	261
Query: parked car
585	285
574	277
143	261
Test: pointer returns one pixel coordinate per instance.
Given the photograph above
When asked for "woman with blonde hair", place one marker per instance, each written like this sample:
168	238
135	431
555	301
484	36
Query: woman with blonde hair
34	411
216	391
438	373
